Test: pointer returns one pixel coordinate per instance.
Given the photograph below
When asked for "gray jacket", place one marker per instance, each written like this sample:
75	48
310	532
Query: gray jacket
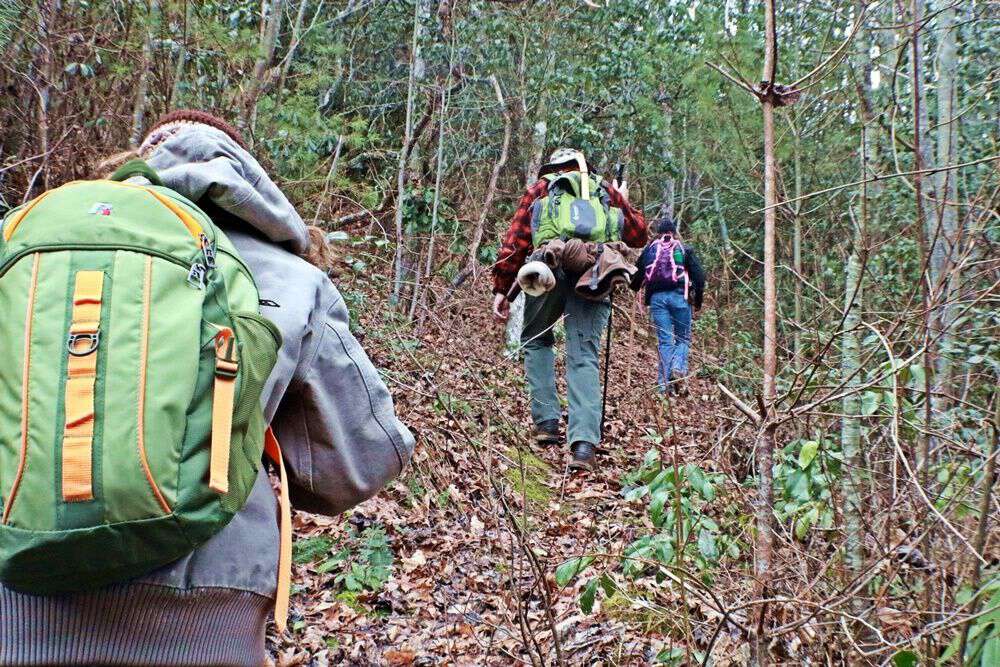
325	400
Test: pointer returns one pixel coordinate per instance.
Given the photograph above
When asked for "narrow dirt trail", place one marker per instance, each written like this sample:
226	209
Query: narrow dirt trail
483	516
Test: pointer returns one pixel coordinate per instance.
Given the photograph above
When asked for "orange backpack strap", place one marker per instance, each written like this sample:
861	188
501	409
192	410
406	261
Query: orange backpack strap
81	372
223	397
273	451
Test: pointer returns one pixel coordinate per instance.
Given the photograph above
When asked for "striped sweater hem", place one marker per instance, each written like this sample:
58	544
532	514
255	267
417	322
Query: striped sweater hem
134	624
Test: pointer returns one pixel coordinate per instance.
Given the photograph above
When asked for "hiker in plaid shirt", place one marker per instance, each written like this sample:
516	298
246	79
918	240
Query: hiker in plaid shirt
585	320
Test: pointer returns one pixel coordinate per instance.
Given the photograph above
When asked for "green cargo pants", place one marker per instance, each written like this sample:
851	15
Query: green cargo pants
585	324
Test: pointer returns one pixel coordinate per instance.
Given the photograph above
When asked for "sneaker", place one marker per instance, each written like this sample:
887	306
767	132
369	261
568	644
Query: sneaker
547	432
583	456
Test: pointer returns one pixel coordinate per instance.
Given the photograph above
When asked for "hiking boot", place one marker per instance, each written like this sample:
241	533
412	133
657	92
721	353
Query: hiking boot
547	432
583	456
677	387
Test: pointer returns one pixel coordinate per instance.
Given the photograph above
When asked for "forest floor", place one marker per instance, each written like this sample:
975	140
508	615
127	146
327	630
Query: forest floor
481	510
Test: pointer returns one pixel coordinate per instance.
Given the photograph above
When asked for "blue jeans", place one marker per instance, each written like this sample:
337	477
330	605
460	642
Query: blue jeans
671	316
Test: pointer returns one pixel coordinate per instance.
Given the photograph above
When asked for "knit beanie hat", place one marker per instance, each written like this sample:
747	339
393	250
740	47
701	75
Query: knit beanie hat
173	122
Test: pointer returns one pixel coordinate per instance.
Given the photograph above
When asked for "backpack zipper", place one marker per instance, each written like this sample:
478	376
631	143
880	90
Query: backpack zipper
141	409
55	247
16	219
26	368
195	228
196	269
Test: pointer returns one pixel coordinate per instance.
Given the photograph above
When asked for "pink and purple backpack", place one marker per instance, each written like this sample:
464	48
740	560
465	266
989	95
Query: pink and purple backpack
668	263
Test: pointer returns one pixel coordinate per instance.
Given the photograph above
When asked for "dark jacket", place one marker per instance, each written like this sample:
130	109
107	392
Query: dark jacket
695	273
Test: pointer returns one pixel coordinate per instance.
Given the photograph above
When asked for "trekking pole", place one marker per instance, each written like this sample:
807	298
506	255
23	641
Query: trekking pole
607	361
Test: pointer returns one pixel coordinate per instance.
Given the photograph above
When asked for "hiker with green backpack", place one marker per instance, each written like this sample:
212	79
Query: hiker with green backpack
161	332
569	217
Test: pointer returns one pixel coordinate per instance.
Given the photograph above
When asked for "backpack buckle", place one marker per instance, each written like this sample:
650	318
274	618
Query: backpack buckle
93	338
226	362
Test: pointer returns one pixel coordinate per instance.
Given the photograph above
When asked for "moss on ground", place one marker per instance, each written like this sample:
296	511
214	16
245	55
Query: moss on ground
533	485
620	607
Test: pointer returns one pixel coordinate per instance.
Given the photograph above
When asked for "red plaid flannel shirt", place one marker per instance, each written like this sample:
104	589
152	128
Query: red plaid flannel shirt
517	243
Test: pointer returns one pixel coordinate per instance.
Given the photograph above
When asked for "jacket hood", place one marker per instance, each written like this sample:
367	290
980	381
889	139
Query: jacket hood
201	162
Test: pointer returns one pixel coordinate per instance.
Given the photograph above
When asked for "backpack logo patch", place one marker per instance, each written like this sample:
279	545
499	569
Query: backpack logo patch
100	208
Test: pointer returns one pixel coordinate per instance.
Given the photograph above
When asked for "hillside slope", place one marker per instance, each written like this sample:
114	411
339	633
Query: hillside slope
483	515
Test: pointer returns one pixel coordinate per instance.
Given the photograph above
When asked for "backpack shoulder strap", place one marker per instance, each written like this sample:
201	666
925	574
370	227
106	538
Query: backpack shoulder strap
678	271
600	188
672	244
658	244
273	451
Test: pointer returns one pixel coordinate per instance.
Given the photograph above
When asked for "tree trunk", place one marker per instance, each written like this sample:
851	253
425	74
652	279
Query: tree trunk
43	85
766	436
439	171
538	138
944	273
491	188
142	86
175	90
268	42
850	363
727	248
921	186
293	45
850	430
416	63
797	255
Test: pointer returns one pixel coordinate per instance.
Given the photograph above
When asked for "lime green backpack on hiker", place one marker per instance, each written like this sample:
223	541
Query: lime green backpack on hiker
575	208
132	359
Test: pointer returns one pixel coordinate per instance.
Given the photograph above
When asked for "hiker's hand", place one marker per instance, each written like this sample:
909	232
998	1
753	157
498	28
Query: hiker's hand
501	307
641	302
622	188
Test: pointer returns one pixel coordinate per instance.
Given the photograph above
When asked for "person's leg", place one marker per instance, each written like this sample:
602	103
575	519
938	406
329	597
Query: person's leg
585	324
659	313
680	313
537	338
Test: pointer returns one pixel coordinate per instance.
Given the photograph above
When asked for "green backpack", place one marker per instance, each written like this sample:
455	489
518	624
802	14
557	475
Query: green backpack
132	359
567	212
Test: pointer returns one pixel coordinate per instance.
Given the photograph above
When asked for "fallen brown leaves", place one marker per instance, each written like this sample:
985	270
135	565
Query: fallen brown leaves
476	499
